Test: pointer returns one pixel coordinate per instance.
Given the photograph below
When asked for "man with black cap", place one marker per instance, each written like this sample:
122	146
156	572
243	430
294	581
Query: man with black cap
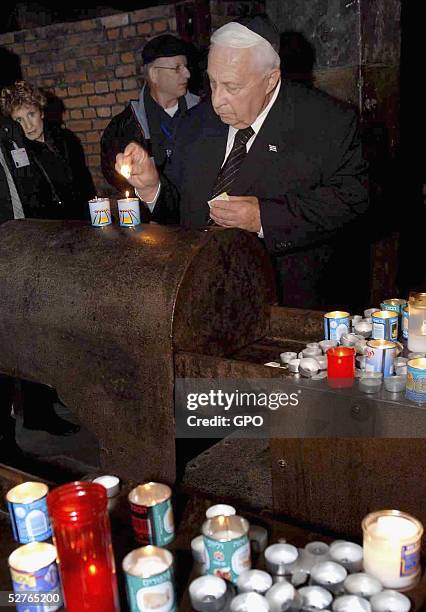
153	119
268	156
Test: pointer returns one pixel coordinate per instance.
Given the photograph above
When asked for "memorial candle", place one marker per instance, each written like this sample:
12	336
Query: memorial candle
341	366
129	211
80	521
392	548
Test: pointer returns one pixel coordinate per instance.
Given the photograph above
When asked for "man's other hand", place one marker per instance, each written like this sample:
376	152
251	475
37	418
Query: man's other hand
239	211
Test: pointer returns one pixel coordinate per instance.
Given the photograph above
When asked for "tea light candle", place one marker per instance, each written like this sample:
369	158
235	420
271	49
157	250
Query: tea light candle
293	365
287	357
363	585
280	558
347	554
112	486
315	598
313	345
370	385
364	328
369	312
254	580
329	575
311	351
341	366
351	603
390	601
313	553
395	384
350	339
249	602
392	548
220	510
258	537
327	344
308	366
322	361
208	594
280	596
360	360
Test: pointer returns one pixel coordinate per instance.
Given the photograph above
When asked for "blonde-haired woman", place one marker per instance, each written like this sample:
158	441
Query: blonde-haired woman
56	150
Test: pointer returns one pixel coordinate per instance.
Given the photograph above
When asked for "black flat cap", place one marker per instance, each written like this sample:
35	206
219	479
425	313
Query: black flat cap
262	25
165	45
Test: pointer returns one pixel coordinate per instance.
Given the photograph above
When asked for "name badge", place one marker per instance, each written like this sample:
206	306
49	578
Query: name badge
20	158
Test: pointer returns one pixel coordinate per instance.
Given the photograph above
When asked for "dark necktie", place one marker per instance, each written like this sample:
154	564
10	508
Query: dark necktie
229	171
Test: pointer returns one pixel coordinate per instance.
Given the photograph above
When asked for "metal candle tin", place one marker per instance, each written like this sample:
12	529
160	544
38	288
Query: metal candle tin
315	598
152	514
394	305
150	580
34	573
100	212
249	602
404	322
363	585
347	554
416	380
129	212
390	601
385	325
329	575
280	558
28	512
256	581
336	324
380	355
227	546
347	603
208	594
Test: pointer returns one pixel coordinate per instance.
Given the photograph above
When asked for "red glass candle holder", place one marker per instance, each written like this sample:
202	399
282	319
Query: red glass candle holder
340	366
82	535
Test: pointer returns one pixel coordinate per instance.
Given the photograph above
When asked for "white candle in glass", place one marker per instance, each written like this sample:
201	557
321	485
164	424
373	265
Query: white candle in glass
145	567
392	548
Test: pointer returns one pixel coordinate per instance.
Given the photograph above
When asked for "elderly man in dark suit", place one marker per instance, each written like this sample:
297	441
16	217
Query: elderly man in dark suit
268	156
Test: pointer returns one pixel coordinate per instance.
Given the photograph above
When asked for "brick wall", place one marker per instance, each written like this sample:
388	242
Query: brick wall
92	66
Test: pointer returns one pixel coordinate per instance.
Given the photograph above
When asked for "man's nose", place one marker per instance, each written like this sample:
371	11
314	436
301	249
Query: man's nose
185	71
218	97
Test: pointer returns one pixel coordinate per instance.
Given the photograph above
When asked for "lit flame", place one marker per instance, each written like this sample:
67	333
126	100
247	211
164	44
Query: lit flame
92	569
125	171
127	194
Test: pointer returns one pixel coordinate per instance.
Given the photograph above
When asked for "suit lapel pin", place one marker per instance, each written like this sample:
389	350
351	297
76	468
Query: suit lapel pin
273	148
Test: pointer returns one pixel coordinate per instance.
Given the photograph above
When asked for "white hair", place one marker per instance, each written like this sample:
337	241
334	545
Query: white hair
237	36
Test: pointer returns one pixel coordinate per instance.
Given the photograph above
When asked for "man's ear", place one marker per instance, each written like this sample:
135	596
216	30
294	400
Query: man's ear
151	74
274	77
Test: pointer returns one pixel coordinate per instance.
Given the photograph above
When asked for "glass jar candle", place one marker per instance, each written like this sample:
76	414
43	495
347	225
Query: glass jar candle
392	548
341	366
417	322
82	536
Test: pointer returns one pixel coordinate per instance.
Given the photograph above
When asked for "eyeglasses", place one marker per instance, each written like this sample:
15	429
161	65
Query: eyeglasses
176	69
